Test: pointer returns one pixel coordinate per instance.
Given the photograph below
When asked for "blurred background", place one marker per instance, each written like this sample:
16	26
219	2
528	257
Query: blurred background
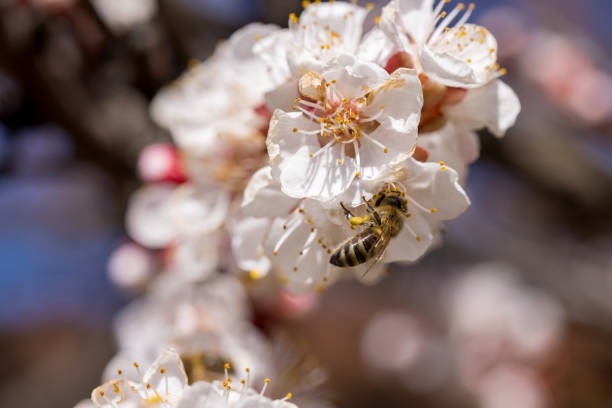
514	310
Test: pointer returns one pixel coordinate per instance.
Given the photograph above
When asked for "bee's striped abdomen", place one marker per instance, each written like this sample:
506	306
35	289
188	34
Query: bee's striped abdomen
355	251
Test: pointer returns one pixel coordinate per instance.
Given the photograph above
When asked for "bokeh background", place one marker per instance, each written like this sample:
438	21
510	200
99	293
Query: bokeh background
514	310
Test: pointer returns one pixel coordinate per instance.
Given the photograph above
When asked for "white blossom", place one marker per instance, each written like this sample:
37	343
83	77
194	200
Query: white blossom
161	385
457	64
353	120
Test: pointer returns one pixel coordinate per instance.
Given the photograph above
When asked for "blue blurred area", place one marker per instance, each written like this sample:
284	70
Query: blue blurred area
228	11
58	225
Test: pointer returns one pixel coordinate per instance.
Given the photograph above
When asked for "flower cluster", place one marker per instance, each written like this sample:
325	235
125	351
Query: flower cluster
165	385
305	154
320	150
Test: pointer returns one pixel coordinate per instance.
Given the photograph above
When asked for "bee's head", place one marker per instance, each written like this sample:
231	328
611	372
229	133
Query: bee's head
393	199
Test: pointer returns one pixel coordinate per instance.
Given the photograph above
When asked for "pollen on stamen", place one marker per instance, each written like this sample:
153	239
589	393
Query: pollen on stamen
469	60
284	227
119	372
305	3
357	174
339	161
503	71
295	130
309	154
408	215
162	371
386	150
295	268
369	6
444	168
377	19
293	17
275	253
442	15
418	238
433	210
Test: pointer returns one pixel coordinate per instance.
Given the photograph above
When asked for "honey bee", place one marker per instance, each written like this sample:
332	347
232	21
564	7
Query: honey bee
384	221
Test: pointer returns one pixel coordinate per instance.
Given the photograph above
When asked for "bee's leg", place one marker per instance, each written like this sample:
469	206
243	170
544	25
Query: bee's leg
372	210
347	213
353	219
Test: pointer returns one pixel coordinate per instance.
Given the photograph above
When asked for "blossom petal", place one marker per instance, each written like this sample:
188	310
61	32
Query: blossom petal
375	159
283	96
148	219
295	247
284	136
494	105
114	392
414	239
454	145
376	47
167	376
262	190
196	258
400	98
198	209
417	18
248	235
353	77
321	177
436	188
202	395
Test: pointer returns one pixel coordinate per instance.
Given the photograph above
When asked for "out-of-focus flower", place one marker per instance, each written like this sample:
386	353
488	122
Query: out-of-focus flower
214	111
512	385
121	15
568	74
160	162
131	266
184	218
162	385
206	320
494	318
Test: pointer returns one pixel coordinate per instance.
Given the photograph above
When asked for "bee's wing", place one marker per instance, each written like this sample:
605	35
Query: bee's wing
381	246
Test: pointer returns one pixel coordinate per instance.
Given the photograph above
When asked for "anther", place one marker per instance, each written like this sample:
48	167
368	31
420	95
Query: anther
433	210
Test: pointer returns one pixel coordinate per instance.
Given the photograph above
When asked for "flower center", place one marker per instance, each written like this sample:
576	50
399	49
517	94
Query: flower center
339	118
